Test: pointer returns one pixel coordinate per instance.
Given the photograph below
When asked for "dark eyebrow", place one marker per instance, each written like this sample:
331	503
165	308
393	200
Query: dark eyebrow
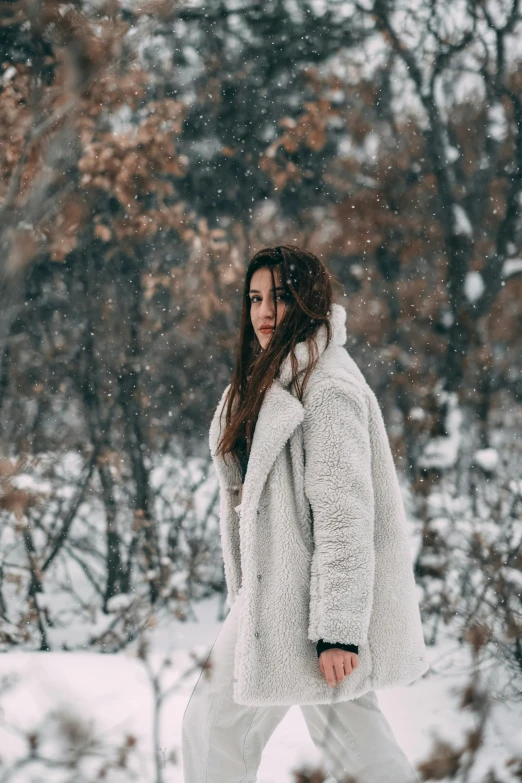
255	291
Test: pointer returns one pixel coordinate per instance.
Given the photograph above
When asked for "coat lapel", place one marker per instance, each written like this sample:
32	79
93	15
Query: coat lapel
279	415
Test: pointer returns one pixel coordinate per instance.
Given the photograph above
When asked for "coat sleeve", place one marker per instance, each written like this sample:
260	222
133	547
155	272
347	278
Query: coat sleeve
338	486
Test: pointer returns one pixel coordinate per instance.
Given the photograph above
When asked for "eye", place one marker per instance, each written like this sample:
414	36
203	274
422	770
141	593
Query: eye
281	297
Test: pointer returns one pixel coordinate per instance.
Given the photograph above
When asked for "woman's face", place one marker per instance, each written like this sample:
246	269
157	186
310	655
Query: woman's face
262	310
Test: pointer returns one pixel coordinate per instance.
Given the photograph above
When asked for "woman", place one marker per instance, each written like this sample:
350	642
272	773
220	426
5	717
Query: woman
315	548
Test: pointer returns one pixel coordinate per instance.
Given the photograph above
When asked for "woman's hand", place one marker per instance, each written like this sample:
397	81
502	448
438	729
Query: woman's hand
336	664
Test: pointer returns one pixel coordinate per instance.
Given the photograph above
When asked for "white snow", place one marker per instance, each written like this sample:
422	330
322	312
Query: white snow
473	286
461	222
43	600
446	318
515	486
511	267
442	451
487	459
513	575
119	602
8	74
112	697
452	153
178	580
497	126
441	525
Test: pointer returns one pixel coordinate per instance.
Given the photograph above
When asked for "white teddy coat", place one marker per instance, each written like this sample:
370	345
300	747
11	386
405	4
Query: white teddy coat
318	544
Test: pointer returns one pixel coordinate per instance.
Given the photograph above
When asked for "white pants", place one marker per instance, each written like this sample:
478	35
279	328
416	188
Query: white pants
222	741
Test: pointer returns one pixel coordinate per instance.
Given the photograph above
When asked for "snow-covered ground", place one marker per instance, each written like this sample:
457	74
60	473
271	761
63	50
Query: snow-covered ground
112	695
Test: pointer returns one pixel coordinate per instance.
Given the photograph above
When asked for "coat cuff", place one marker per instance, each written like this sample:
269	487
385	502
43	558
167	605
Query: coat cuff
322	645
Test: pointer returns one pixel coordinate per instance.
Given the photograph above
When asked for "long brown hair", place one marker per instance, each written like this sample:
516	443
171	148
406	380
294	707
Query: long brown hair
308	290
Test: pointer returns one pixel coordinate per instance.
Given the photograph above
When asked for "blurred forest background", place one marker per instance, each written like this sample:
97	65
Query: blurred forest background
147	149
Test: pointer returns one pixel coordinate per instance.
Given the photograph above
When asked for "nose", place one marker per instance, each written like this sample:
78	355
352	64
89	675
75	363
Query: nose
266	311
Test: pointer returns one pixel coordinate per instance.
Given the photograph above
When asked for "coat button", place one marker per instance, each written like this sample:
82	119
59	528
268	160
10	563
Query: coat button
256	634
259	576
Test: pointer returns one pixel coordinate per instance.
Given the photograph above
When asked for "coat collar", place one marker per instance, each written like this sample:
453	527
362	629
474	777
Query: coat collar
302	350
280	413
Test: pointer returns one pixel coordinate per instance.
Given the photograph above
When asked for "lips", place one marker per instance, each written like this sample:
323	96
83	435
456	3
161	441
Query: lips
267	329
